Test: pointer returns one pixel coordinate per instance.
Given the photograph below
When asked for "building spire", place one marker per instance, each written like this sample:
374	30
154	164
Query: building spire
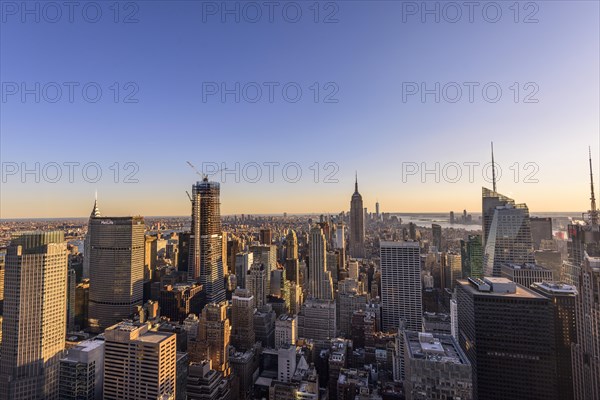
593	210
95	211
493	169
356	182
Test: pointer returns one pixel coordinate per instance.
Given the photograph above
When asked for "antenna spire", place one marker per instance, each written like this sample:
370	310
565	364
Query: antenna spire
356	181
493	169
593	209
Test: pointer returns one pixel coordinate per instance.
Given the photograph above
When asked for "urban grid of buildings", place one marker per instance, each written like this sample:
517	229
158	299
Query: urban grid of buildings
353	306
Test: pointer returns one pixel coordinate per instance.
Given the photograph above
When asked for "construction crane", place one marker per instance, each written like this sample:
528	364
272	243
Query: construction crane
202	175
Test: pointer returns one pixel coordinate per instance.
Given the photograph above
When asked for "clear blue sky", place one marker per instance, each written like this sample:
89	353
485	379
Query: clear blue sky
177	45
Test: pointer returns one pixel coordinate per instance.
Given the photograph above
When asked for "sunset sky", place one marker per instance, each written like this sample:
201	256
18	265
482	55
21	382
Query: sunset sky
363	120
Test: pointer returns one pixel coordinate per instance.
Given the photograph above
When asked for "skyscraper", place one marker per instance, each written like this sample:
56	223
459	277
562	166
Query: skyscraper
243	261
213	337
584	258
242	320
472	257
320	284
357	224
506	332
292	264
401	285
508	238
34	325
563	305
490	199
139	363
436	232
256	283
117	269
586	352
206	240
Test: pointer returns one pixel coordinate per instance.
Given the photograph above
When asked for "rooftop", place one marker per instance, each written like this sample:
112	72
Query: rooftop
434	347
485	287
556	288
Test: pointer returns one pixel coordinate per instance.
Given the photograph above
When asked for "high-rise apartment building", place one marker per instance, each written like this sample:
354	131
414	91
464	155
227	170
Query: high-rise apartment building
117	269
206	241
139	363
357	224
34	320
401	285
319	278
505	331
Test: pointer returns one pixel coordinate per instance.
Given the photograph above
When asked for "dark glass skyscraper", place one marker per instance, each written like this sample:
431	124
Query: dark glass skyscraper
506	332
117	269
206	241
357	224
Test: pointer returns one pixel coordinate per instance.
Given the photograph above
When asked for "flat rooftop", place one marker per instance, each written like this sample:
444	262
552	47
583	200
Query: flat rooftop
520	291
434	347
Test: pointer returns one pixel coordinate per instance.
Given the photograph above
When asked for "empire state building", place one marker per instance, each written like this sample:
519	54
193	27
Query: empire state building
357	224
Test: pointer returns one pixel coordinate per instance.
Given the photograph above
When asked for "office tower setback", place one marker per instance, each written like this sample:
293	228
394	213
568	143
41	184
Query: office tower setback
206	383
139	363
82	371
117	269
401	285
526	274
206	241
357	224
242	320
435	367
504	329
34	320
320	284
